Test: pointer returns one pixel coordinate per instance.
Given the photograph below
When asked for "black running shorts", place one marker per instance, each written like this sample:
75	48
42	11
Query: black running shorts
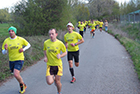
74	55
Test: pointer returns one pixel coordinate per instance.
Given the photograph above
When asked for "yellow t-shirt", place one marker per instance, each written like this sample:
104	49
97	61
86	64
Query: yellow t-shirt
72	38
89	24
101	24
52	50
81	26
93	26
13	48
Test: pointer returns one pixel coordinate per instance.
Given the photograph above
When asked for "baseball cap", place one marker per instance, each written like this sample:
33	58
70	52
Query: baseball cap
70	24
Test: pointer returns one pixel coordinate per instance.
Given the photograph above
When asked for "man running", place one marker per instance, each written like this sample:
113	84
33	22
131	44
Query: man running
14	46
101	25
81	28
52	56
71	38
92	32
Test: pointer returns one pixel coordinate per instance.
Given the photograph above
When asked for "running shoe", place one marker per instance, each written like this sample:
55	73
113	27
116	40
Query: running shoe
24	88
92	36
73	80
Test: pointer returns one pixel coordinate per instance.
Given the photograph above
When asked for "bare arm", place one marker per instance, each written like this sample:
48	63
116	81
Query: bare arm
45	56
61	55
66	44
81	41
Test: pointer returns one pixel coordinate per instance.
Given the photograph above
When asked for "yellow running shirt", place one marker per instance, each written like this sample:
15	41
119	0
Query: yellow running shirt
81	26
93	26
101	24
13	48
72	38
52	50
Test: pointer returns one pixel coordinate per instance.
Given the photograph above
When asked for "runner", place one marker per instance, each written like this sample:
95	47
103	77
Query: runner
85	25
97	24
92	32
14	47
101	25
81	26
78	24
71	38
52	56
89	25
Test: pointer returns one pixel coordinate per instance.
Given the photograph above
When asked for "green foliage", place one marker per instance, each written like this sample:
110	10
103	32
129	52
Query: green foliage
110	32
117	36
4	29
133	31
81	12
100	9
129	7
4	15
134	49
36	17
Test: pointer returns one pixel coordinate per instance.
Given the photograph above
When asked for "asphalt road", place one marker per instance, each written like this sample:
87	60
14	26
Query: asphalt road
105	68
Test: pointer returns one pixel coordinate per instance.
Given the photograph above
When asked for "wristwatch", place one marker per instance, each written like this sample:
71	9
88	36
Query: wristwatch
75	44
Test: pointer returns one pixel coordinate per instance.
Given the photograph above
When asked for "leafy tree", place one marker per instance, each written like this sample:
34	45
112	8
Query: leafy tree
101	8
81	12
36	17
4	15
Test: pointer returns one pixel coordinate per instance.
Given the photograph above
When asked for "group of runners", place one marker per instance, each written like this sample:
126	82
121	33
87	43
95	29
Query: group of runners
16	45
93	25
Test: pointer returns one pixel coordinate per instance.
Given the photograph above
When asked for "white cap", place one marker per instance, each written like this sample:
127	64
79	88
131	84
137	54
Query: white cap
70	24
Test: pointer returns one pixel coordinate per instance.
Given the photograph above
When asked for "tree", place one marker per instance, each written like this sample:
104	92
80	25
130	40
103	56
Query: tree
36	17
4	15
81	12
100	8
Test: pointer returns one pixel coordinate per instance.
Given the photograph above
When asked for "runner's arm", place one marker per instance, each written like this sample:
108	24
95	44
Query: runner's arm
66	44
27	47
45	56
81	41
63	54
4	51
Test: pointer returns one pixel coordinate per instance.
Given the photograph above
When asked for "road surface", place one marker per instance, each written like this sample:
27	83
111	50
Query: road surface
105	68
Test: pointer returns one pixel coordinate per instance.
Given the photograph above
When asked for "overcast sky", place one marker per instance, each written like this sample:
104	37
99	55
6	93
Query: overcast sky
10	3
122	1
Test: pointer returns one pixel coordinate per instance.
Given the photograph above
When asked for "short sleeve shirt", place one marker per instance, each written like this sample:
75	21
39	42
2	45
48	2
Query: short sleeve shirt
13	48
72	38
52	50
101	24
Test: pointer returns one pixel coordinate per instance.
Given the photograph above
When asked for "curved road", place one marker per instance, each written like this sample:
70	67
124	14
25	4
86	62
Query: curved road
105	68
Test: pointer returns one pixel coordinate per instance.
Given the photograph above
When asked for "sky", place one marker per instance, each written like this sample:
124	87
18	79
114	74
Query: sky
7	3
122	1
10	3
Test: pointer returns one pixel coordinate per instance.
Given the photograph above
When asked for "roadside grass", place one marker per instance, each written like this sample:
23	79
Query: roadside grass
32	55
4	29
132	46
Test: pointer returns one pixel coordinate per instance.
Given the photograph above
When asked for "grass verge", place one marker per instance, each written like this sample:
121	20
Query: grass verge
132	47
